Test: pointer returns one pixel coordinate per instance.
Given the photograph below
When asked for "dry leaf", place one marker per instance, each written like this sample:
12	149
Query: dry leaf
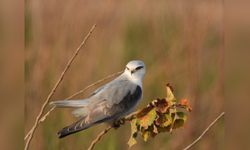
161	115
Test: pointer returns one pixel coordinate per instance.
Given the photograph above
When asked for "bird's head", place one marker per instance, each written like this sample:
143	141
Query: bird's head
136	69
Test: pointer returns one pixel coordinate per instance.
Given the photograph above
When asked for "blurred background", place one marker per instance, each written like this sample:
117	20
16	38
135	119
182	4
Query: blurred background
11	74
181	42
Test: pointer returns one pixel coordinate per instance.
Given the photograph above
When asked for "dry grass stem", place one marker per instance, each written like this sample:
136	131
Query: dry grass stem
204	132
98	138
101	134
32	130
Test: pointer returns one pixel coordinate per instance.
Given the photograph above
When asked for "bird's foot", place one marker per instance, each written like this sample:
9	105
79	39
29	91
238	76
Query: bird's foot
118	123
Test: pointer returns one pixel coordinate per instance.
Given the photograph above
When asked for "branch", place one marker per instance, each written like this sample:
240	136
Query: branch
204	132
101	134
32	130
98	138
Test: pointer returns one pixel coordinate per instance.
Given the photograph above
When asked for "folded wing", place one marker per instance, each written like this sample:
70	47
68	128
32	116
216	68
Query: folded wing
109	103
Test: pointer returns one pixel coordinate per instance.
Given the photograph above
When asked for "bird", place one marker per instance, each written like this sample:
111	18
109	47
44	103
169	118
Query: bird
108	103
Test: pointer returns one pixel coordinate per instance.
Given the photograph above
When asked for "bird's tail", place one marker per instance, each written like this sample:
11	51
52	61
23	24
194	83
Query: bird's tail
73	128
80	125
70	103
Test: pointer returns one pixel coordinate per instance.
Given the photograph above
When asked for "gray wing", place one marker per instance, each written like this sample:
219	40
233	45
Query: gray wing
111	102
114	91
115	98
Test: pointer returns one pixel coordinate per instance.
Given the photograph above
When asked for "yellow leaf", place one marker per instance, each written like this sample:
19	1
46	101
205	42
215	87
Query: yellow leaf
168	120
132	140
170	95
145	135
148	119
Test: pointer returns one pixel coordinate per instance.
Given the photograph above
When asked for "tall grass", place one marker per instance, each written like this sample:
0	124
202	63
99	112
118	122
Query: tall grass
179	42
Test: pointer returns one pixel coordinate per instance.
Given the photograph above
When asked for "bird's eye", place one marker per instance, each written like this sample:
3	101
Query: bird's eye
138	68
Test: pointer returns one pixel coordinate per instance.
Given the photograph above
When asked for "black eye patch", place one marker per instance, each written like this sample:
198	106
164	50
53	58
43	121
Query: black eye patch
137	68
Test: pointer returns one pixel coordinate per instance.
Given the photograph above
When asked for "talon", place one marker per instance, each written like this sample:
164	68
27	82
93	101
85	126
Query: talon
116	124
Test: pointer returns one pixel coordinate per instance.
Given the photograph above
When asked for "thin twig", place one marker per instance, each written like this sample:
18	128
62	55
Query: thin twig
31	132
98	138
101	134
204	132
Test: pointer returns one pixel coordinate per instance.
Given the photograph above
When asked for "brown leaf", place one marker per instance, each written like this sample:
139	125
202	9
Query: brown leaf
160	115
161	105
159	119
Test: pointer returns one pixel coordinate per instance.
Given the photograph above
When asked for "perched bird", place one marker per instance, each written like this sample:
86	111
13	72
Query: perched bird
109	102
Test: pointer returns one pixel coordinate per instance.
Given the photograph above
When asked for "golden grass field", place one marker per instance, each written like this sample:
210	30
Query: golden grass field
179	41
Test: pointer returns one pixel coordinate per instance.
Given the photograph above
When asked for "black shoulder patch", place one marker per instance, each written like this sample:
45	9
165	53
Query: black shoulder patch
128	102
